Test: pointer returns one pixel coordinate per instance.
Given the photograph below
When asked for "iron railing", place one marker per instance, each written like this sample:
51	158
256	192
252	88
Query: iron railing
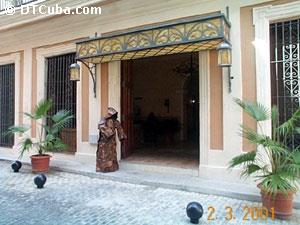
7	103
16	3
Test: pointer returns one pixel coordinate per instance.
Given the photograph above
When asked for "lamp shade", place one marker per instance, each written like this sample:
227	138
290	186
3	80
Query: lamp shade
224	55
75	72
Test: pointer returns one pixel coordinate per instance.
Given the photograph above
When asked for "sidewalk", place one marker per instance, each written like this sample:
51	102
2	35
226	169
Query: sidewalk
136	174
69	199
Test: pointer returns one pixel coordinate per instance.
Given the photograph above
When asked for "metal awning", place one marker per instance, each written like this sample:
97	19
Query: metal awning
188	35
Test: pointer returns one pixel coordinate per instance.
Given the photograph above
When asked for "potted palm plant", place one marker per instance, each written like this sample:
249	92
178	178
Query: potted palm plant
275	164
48	137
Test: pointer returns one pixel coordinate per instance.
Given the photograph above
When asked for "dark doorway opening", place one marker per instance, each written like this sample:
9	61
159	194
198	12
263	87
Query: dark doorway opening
160	109
63	93
7	103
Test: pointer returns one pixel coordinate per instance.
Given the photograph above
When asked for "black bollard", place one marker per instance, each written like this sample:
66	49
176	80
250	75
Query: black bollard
40	180
16	166
194	211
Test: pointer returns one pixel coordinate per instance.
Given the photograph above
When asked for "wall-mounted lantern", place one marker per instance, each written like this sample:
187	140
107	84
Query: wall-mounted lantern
225	59
75	73
224	55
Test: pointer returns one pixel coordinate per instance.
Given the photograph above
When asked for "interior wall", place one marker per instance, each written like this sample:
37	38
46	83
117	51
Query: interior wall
155	81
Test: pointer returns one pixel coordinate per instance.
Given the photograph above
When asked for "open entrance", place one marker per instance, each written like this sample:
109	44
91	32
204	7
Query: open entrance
160	110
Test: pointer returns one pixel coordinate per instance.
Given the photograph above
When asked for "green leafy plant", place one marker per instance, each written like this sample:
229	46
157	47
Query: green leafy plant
47	139
276	163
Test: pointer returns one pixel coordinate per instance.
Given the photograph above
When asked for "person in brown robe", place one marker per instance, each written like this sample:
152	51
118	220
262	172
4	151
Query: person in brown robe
102	154
106	152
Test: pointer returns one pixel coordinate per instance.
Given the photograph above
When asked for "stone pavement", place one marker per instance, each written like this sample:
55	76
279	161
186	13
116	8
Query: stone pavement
153	175
72	199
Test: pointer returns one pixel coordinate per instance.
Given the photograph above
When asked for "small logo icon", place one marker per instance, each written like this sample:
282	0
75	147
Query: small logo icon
10	10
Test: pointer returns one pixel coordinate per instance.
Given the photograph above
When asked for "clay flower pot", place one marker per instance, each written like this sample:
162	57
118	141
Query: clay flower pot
282	203
40	163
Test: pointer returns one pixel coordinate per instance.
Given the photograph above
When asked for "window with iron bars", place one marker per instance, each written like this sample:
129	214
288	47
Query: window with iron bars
62	91
285	69
7	103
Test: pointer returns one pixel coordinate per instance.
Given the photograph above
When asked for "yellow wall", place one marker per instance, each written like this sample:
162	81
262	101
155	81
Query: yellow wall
248	62
216	103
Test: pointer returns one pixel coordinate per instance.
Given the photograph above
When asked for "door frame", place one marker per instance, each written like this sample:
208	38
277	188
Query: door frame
204	109
126	108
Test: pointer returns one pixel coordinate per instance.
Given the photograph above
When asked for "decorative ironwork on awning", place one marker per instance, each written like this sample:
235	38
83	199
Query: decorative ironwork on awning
191	35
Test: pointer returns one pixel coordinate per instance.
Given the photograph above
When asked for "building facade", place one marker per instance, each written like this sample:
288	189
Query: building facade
36	51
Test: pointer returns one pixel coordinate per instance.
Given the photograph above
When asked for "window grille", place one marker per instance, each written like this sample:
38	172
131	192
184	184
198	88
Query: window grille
63	93
285	68
7	103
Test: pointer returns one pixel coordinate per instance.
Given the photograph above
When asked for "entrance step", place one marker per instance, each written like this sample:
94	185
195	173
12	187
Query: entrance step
159	168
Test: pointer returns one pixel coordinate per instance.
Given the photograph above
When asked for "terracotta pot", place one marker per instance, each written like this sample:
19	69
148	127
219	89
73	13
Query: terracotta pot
40	163
282	203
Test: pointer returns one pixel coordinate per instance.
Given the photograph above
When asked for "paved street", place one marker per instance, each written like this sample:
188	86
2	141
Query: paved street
75	199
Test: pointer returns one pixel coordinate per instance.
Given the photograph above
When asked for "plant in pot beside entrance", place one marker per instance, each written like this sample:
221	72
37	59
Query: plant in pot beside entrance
48	134
275	164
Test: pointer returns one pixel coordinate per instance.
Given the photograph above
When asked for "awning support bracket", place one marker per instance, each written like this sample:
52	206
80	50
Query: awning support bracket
92	71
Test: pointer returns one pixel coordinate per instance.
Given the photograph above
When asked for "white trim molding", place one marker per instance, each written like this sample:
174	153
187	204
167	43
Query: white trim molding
114	92
16	59
41	55
262	17
204	112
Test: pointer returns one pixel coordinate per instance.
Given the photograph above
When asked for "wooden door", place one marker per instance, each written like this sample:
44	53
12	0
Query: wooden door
127	108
